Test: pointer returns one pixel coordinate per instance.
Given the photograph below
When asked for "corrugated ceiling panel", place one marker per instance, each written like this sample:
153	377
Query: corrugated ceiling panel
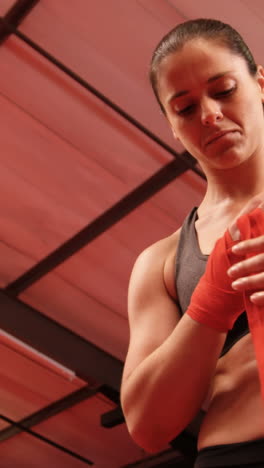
88	292
109	45
71	306
25	451
80	430
27	387
242	15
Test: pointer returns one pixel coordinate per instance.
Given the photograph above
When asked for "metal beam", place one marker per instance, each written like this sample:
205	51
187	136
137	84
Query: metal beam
112	418
49	411
59	343
15	16
47	440
103	222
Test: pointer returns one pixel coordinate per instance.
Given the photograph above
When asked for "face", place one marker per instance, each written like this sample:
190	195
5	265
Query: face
213	104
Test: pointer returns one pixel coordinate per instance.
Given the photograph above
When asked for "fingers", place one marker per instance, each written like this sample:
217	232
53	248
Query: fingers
256	202
248	275
254	245
247	267
257	298
253	282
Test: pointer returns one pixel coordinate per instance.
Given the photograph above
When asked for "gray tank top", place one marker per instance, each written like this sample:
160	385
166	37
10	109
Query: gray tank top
190	266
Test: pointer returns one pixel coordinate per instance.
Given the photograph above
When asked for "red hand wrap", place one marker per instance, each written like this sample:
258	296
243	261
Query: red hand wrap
252	225
214	302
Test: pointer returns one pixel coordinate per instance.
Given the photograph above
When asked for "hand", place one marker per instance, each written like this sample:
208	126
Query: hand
255	202
248	274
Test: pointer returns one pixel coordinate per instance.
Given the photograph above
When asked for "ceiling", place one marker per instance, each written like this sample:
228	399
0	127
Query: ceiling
90	175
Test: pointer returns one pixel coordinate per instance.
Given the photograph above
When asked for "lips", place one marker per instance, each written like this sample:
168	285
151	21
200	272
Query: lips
217	135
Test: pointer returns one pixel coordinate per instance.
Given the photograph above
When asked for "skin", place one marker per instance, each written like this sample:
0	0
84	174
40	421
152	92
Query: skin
218	117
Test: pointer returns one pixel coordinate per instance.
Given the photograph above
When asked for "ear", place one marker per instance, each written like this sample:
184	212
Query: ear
173	131
260	80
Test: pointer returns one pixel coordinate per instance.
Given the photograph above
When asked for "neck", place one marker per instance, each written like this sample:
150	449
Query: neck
237	185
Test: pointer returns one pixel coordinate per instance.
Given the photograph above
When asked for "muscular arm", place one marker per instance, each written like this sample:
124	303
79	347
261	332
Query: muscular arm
170	361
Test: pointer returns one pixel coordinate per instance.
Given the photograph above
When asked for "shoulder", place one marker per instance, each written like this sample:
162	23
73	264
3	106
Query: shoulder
156	264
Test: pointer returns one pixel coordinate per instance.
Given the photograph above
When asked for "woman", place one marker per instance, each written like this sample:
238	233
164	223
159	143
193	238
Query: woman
212	94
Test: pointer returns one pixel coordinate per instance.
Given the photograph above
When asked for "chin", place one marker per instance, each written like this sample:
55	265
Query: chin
229	158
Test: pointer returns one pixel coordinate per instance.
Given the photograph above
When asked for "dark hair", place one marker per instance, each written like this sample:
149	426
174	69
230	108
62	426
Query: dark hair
199	28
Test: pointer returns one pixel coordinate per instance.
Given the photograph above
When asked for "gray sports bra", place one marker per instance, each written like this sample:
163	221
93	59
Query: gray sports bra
190	266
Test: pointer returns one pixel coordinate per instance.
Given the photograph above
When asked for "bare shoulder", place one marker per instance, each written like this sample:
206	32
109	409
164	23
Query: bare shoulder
156	264
152	309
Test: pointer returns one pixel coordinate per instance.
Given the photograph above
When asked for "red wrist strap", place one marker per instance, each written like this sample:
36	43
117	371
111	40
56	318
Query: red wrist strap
214	302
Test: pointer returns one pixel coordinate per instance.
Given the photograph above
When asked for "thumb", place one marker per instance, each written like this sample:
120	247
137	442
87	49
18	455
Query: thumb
255	202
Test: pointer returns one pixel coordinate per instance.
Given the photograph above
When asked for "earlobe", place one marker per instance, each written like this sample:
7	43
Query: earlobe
173	131
174	134
260	80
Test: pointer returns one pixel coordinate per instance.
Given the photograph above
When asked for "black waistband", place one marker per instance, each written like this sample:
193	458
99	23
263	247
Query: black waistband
245	454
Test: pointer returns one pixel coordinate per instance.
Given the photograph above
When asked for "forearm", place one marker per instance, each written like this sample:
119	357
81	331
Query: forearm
163	394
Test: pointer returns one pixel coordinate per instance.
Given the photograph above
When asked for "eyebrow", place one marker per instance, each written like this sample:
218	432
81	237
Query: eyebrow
184	92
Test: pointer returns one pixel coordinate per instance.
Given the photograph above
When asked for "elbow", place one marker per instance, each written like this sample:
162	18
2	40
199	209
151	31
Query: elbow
148	439
139	430
151	429
147	433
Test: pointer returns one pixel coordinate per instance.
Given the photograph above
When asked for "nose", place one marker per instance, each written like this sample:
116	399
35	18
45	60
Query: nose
211	112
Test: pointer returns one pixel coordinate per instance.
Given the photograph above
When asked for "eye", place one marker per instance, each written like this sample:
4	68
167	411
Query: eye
225	92
186	110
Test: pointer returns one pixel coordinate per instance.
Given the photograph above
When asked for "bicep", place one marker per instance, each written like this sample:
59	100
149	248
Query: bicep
153	314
